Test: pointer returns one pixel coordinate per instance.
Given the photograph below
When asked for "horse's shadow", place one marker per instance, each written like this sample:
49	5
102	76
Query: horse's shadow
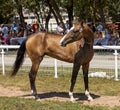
78	96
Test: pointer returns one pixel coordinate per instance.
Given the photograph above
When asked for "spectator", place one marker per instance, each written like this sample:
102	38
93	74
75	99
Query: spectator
5	33
14	29
10	35
67	26
35	27
1	34
20	31
107	37
1	31
99	27
59	28
19	38
29	29
97	38
114	40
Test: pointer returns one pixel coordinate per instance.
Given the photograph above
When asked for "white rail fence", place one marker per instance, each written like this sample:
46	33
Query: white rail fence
114	48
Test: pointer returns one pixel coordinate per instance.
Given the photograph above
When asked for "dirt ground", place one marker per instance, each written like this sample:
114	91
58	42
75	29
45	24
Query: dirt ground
110	101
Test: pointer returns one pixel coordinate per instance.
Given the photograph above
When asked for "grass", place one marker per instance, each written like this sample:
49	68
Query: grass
61	70
31	104
47	83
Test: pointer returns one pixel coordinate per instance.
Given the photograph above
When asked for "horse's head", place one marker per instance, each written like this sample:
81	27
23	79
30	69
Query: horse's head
77	32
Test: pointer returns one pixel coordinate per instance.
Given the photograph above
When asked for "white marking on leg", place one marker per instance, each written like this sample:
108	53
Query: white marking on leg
32	91
71	97
88	96
38	99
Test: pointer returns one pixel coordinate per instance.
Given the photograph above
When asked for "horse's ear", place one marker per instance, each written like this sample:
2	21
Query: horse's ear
75	20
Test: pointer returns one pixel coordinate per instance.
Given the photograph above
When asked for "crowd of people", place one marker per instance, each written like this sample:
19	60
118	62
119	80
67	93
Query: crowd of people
15	34
108	35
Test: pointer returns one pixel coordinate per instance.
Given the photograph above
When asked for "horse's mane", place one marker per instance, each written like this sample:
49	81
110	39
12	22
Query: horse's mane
86	26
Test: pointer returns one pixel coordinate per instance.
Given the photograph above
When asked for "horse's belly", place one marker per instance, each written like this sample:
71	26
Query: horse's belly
66	58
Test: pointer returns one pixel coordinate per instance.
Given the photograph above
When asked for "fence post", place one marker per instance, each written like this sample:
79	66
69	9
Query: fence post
55	68
116	65
3	62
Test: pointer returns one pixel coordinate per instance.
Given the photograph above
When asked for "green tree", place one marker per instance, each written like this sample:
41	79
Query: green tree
114	10
88	10
68	6
36	7
18	5
6	11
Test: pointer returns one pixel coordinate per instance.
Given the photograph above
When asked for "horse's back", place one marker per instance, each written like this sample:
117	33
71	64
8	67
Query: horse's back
41	42
35	44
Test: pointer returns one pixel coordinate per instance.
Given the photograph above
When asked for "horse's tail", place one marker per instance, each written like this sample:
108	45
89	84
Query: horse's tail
19	58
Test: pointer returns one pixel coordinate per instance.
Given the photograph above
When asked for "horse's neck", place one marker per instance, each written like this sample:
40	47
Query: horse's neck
89	41
89	35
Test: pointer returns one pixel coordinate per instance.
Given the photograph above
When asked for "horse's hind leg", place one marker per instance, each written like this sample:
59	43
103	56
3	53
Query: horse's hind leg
85	68
32	76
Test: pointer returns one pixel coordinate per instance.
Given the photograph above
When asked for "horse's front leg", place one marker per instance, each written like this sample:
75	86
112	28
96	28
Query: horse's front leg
76	68
85	68
32	77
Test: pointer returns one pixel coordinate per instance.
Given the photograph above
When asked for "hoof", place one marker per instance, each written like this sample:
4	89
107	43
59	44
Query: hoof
37	98
90	99
88	95
72	100
71	97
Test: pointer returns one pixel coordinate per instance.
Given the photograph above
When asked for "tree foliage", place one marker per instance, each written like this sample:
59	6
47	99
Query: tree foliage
88	10
6	11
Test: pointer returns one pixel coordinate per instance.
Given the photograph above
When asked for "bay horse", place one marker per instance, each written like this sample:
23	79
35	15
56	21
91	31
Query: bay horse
69	48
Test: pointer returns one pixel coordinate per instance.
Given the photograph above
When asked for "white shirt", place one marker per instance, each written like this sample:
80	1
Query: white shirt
58	30
100	27
5	30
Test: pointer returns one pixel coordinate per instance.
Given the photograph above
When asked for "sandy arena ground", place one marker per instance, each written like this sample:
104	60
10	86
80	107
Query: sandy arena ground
110	101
